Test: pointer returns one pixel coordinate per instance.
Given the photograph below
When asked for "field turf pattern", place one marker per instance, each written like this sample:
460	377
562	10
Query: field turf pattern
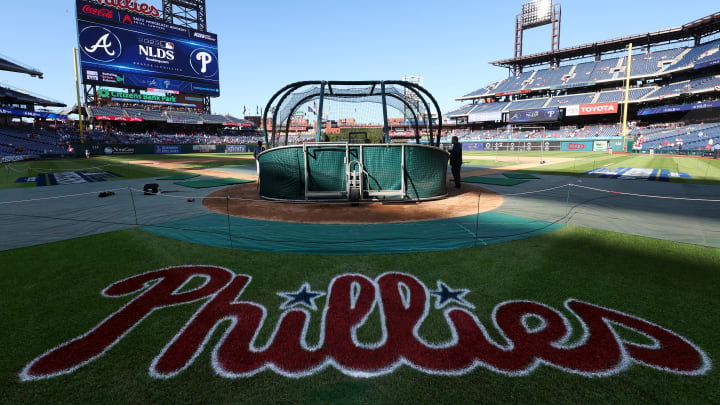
116	164
51	294
49	301
703	171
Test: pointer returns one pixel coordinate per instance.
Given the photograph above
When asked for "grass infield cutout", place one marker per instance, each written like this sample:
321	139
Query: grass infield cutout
212	183
521	176
493	181
180	177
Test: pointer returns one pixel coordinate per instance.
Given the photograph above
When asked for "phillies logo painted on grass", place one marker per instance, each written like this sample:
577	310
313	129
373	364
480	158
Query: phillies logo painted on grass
532	334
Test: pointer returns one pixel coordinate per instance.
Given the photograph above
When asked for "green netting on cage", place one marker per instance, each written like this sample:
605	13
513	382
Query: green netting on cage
282	174
329	111
326	169
426	172
282	171
384	168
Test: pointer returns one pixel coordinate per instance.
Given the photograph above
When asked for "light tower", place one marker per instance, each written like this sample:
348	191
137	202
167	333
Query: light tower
411	96
534	14
186	13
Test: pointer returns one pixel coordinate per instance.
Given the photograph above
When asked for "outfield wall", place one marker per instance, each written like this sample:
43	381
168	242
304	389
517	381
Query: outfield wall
536	145
145	149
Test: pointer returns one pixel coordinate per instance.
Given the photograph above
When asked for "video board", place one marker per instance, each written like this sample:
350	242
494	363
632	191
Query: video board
129	50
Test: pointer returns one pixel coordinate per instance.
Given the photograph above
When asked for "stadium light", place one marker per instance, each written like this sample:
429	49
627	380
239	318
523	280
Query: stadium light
536	13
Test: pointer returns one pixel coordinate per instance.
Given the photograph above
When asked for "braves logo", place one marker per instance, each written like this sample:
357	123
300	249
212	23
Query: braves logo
532	334
100	44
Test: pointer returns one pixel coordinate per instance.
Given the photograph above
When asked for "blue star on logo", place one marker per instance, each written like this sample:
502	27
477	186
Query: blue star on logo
304	296
445	295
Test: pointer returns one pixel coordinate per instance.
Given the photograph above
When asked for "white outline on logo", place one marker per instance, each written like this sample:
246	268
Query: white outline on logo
92	51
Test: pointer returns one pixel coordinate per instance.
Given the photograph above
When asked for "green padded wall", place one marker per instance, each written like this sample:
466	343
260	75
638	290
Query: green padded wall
384	167
326	168
426	171
282	170
282	174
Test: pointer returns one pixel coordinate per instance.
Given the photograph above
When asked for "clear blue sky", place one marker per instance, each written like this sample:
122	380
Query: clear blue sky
267	44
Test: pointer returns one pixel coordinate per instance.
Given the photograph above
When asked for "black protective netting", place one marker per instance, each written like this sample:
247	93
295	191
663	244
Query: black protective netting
360	104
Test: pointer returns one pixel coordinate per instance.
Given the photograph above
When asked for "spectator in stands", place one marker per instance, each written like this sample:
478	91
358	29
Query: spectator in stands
456	160
716	150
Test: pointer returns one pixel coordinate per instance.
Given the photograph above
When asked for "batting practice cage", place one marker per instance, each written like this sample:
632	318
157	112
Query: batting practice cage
352	141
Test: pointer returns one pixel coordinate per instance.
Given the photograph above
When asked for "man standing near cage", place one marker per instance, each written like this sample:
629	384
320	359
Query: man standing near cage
456	160
258	149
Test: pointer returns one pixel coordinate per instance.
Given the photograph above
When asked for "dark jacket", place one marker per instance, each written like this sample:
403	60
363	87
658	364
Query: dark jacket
456	155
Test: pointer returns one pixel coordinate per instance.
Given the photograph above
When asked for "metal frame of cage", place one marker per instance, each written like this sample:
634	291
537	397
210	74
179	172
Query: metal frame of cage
427	99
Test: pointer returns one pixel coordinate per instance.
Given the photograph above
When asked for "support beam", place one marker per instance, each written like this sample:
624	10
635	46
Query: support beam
386	129
186	13
79	103
320	112
627	96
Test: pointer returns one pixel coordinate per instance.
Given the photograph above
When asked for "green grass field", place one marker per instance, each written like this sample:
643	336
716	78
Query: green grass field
701	170
181	156
704	171
52	294
121	165
10	173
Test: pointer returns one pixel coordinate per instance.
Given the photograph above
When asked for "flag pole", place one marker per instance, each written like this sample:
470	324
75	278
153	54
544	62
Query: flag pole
627	97
79	105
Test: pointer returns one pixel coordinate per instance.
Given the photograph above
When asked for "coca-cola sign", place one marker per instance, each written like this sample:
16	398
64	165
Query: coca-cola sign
132	6
99	12
533	335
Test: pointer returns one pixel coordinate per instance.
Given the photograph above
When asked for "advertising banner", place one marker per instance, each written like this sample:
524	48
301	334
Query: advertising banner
577	146
522	146
114	118
485	117
204	149
167	149
236	149
599	109
600	146
15	158
32	114
129	50
512	93
678	108
137	97
572	111
119	150
184	122
473	146
535	115
707	64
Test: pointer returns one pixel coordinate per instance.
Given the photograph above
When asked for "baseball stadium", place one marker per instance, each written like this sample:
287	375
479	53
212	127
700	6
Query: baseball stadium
551	237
